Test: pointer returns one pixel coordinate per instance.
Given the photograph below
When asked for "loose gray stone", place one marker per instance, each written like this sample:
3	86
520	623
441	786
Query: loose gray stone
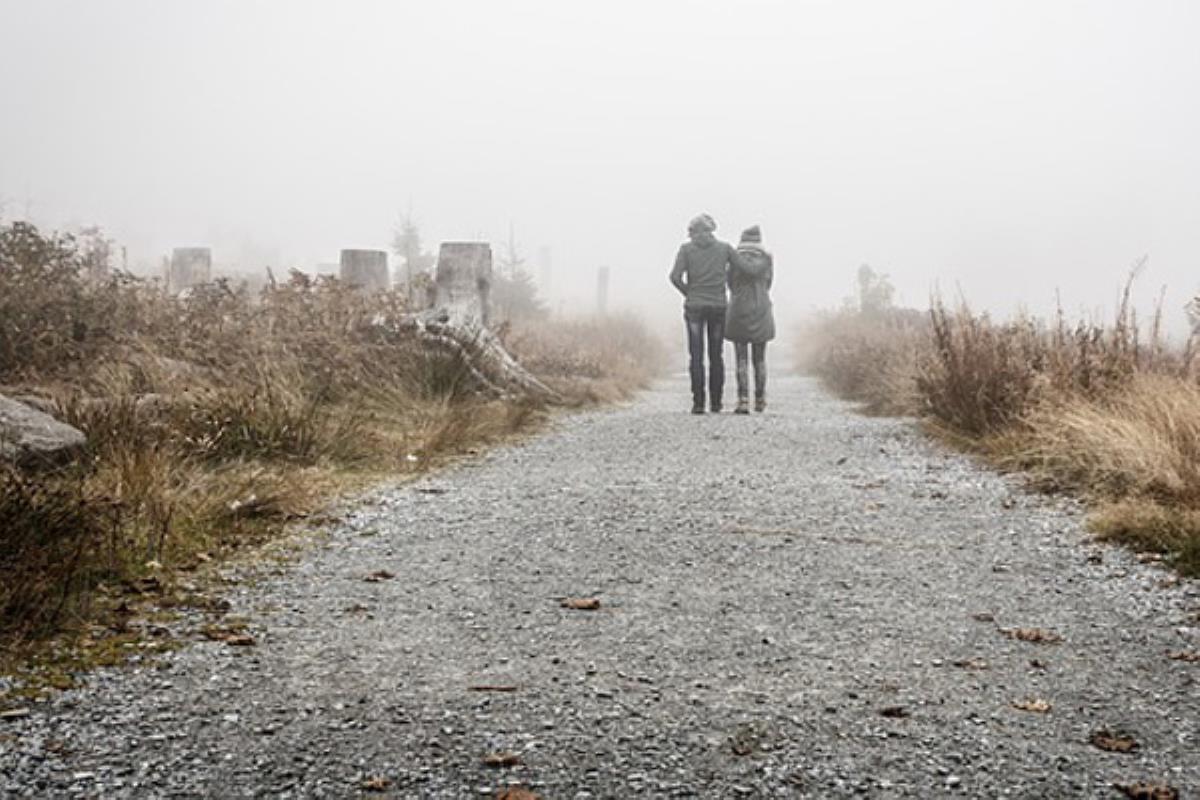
30	437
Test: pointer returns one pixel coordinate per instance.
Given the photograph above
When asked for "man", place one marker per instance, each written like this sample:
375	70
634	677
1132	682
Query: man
700	276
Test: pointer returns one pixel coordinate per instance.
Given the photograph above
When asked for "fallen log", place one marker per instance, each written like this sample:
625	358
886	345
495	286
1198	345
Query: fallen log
489	364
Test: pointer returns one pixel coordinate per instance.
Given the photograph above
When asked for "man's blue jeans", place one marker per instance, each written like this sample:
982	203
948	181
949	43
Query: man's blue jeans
707	321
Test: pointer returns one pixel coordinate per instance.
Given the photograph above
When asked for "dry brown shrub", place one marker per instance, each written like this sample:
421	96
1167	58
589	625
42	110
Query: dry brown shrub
867	357
50	531
978	377
593	359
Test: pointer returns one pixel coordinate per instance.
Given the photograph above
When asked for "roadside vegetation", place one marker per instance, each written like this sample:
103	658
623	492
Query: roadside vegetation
215	419
1109	412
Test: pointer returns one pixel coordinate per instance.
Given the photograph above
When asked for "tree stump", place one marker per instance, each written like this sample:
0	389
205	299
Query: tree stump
190	266
367	270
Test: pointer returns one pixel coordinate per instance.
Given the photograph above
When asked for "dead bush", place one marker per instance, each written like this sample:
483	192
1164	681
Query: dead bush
590	359
867	357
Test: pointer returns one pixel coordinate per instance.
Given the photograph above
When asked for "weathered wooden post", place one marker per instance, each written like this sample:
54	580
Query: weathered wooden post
366	270
190	266
464	279
602	291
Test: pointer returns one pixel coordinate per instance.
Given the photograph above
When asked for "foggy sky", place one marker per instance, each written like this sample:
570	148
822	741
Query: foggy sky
1006	149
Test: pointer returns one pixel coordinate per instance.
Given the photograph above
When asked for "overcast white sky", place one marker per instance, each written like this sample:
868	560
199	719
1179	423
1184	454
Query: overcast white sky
1008	148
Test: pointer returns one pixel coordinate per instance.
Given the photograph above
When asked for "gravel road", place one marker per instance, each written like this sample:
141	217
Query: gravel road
804	603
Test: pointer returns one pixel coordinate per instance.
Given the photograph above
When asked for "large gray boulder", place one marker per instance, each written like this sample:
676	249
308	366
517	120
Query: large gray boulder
29	437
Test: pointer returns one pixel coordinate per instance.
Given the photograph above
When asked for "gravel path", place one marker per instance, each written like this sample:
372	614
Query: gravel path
806	603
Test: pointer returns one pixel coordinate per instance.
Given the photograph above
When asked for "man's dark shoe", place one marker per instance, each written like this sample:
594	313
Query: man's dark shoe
743	406
716	408
698	408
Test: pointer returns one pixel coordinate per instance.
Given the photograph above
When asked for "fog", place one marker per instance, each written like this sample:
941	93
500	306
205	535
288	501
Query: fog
1002	149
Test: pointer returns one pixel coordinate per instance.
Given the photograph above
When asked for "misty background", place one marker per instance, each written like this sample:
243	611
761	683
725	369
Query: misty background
1002	149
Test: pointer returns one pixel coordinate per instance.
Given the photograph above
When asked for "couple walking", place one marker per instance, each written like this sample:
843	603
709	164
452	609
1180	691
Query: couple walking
703	269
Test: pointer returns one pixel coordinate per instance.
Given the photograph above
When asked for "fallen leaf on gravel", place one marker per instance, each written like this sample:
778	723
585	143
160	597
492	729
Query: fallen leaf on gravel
580	603
894	712
1113	741
492	687
431	490
148	585
1037	663
379	575
234	634
516	793
1037	706
14	713
377	784
502	759
971	663
1148	791
1183	655
1167	583
983	616
1036	635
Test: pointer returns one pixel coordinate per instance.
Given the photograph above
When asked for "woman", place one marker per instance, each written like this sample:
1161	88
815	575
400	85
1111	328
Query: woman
749	322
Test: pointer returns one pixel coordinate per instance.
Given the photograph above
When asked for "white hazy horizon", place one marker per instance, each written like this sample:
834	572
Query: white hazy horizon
1001	150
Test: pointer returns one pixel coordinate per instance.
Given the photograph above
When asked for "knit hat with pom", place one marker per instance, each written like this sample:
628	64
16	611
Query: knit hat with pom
752	235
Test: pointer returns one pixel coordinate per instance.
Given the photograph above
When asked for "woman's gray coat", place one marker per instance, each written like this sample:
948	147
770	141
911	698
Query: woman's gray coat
748	317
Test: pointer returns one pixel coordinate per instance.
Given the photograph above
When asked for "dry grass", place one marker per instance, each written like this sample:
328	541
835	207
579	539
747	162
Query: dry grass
596	359
869	358
1141	439
212	420
1149	526
1097	410
1135	452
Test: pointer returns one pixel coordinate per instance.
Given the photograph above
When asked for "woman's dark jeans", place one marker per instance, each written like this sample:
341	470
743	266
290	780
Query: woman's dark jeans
743	353
701	322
